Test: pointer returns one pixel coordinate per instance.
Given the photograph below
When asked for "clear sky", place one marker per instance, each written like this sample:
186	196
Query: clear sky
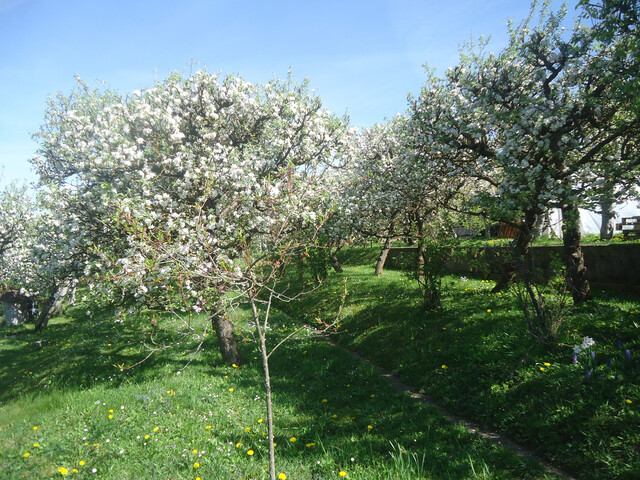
362	57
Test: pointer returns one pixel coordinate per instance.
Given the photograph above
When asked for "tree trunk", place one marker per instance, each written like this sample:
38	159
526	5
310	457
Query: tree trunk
269	403
383	256
607	217
333	259
421	259
516	264
53	303
576	271
227	342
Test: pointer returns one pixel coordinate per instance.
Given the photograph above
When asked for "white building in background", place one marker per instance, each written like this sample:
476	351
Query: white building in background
590	221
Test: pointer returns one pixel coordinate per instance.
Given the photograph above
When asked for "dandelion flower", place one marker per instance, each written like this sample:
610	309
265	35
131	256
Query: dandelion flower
324	400
26	454
282	476
247	429
628	401
196	465
155	429
110	416
542	369
234	365
370	427
36	444
195	451
547	364
81	462
231	390
260	420
35	428
208	427
488	310
250	452
444	367
292	439
63	471
238	445
342	473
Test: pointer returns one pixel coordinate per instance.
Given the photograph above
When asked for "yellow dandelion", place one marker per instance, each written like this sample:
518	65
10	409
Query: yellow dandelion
208	427
155	429
370	427
488	310
260	420
110	416
36	444
342	473
250	452
147	437
373	395
111	410
81	462
324	400
231	389
26	454
444	367
35	428
292	439
234	365
63	471
282	476
247	429
238	445
628	400
196	465
547	364
75	470
195	451
542	369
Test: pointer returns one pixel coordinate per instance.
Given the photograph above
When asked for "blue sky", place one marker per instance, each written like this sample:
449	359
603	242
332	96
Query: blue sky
362	57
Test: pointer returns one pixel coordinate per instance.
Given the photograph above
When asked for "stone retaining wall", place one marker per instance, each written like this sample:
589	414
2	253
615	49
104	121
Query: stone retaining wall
614	264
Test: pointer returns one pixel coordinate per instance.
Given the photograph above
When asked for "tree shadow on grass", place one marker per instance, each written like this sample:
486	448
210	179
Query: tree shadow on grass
78	351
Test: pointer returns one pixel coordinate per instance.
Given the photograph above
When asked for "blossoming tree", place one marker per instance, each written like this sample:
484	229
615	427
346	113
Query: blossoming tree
195	192
534	123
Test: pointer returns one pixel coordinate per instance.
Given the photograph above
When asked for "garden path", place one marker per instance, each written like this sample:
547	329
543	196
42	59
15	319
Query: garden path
470	426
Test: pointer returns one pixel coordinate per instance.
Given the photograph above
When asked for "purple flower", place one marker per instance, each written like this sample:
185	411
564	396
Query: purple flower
593	355
587	374
619	344
574	358
627	353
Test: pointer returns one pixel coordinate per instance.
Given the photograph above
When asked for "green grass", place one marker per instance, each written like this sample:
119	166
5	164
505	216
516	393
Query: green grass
67	405
475	357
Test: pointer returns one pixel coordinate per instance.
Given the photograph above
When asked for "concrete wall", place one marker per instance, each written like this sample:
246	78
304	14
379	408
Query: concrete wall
615	264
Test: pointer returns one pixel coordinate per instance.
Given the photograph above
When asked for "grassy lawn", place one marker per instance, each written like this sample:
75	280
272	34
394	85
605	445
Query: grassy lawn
475	357
71	408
